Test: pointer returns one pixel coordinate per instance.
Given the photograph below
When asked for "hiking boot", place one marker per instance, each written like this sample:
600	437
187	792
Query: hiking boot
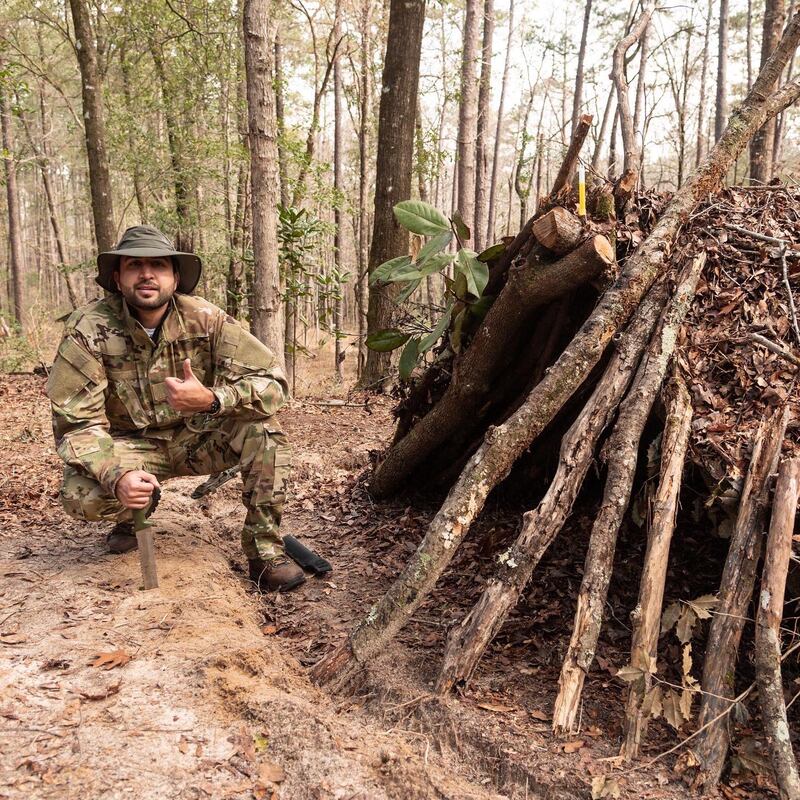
279	574
122	538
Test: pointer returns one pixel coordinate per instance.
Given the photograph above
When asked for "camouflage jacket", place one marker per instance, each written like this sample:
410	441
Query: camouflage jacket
108	378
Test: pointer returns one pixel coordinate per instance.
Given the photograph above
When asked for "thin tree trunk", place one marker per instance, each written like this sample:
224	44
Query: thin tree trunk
768	624
94	127
701	108
394	163
468	115
490	229
503	444
338	356
736	591
721	112
15	253
280	119
481	148
136	170
761	147
267	318
577	97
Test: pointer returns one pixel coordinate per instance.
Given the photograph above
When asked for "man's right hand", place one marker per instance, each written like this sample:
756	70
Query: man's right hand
135	489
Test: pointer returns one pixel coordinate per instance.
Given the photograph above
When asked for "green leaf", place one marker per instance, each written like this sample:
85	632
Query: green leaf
408	291
476	272
435	263
434	336
386	340
458	325
384	271
408	358
480	308
437	243
421	218
492	252
461	227
458	286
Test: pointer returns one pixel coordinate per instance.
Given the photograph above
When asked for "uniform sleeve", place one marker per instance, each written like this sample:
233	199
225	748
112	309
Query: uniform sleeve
76	388
248	379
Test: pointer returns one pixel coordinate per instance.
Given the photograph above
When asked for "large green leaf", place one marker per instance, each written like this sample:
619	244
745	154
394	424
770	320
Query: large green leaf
383	272
436	334
462	230
476	272
435	263
491	252
421	218
408	358
386	340
437	243
408	291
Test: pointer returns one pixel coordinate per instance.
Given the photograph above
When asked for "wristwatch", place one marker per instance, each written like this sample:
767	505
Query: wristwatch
214	407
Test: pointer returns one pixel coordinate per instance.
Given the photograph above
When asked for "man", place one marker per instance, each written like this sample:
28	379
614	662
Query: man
151	383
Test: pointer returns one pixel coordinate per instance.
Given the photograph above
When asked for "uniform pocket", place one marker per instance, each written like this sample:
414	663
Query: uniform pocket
282	463
125	396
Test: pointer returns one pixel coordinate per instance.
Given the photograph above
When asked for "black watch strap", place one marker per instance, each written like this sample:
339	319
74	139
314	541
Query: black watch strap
215	407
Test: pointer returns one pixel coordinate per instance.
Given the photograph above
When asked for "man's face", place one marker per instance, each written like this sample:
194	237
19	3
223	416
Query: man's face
146	282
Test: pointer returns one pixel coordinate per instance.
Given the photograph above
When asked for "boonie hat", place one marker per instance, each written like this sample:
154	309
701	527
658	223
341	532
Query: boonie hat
146	241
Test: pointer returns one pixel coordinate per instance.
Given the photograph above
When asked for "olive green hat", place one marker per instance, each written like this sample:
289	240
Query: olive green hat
146	241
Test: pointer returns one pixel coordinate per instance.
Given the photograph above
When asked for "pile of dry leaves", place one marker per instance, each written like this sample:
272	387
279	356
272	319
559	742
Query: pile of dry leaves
746	289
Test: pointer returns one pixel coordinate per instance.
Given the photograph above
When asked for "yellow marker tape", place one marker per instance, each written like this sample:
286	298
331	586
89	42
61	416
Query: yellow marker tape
581	190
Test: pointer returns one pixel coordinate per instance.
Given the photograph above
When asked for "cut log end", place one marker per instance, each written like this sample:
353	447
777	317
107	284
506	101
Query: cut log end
558	230
604	249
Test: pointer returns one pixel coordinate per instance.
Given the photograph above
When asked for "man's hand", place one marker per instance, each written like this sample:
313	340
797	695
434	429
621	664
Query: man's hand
135	489
188	394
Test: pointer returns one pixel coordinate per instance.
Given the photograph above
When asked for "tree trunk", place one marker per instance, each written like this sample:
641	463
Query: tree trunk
577	97
646	617
394	164
16	262
468	115
505	443
267	319
736	591
338	188
94	128
481	148
701	108
136	170
490	229
762	146
768	624
721	112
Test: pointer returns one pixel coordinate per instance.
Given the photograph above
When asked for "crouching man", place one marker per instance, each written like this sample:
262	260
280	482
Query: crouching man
151	383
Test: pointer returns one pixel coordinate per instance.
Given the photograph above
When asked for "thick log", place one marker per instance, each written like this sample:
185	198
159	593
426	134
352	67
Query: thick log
646	616
768	623
622	449
474	375
558	230
470	638
504	444
736	590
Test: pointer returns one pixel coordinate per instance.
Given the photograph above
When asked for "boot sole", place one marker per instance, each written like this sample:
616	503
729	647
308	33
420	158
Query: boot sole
287	587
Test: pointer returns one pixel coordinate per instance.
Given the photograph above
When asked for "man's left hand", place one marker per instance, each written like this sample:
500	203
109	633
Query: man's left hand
188	394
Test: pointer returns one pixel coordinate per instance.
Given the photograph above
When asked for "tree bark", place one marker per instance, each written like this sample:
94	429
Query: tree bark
736	590
768	623
490	229
701	107
558	230
16	262
94	128
646	617
468	115
577	97
504	444
280	121
721	111
763	143
481	147
338	356
394	164
267	308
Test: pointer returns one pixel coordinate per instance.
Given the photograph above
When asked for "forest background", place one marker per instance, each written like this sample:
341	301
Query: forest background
118	114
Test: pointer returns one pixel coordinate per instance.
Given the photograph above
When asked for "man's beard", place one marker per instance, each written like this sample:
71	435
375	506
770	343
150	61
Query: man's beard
162	297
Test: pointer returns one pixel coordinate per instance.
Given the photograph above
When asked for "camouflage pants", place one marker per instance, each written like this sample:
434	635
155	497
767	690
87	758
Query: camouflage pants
257	445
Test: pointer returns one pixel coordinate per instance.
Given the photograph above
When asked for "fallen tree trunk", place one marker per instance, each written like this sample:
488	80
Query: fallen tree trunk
768	623
736	590
647	614
503	445
470	638
622	450
474	374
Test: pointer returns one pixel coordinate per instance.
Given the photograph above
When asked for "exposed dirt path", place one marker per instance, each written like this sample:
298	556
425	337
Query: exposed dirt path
210	703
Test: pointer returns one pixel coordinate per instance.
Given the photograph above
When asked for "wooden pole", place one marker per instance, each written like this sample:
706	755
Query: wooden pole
768	622
647	614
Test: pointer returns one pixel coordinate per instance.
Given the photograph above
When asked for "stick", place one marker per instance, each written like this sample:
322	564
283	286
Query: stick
776	348
647	615
571	158
623	449
736	590
768	621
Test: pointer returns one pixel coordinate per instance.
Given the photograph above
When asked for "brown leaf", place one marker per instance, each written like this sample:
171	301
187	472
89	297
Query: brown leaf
540	715
116	658
270	772
269	630
574	745
496	707
13	638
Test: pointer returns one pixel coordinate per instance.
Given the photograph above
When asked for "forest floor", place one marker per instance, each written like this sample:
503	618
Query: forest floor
199	689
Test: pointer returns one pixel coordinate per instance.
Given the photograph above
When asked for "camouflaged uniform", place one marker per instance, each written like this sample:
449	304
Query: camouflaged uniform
111	415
